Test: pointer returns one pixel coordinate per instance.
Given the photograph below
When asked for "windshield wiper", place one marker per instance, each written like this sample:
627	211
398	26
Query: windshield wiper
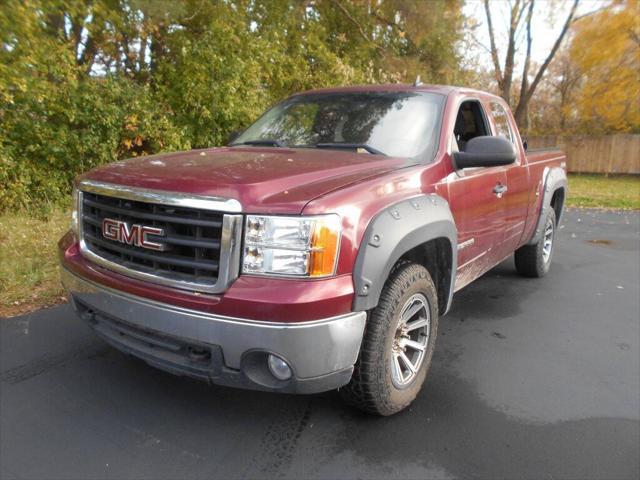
263	142
350	146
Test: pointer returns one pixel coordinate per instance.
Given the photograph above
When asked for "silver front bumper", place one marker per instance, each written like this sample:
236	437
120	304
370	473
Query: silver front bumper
321	353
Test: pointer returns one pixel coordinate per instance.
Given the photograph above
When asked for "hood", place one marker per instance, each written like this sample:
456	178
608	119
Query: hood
264	180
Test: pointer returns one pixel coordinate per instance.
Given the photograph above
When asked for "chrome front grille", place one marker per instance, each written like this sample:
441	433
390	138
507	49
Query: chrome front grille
199	244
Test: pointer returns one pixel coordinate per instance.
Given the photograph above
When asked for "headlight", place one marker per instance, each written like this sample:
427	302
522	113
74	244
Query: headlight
74	211
299	246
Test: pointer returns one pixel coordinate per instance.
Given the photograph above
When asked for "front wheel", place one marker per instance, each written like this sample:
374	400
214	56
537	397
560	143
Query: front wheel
398	344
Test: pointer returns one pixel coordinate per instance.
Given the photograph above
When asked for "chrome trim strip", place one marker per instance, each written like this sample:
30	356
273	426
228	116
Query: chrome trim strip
230	241
474	259
466	244
162	197
74	283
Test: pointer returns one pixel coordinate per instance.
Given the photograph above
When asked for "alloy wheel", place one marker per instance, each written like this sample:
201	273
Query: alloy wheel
410	341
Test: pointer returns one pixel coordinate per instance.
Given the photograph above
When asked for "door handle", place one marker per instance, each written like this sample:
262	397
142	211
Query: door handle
499	190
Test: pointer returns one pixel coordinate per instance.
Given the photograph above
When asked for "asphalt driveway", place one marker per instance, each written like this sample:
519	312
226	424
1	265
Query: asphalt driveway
530	379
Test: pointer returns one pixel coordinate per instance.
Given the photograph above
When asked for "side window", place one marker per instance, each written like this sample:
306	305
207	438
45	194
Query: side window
470	123
501	121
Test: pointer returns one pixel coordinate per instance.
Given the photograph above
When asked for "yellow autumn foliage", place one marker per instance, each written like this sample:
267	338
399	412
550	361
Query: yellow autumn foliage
606	49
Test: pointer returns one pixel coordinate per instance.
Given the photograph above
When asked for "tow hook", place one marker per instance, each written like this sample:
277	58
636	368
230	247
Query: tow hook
200	355
88	315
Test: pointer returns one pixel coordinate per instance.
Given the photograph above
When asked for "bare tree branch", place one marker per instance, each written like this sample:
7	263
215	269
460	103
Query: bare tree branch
509	60
85	58
494	49
588	14
479	43
88	54
392	24
553	51
363	34
526	96
520	13
525	69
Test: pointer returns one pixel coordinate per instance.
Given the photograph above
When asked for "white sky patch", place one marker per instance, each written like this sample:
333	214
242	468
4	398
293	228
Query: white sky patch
548	19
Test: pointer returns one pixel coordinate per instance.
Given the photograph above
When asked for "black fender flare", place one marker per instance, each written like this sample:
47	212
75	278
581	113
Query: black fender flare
395	231
553	179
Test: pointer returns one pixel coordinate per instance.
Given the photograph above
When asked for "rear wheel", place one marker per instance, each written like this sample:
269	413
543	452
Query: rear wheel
535	260
398	343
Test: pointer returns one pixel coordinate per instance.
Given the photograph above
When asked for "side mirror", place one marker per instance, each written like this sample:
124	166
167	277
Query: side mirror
232	136
486	151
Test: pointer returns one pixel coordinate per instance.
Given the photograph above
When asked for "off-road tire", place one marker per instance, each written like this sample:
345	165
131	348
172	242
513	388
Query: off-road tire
530	259
371	388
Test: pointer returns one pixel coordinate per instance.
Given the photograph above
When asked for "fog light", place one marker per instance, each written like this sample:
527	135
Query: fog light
279	368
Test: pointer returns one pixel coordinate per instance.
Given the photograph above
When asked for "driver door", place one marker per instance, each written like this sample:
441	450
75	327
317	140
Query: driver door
478	208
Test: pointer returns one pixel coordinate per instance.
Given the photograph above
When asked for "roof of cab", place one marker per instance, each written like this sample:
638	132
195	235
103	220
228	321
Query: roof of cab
398	87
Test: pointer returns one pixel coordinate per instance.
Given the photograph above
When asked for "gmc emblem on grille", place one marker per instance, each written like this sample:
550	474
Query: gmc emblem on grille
136	235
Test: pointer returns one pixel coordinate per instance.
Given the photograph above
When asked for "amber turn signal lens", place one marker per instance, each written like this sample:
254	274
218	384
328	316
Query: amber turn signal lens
324	249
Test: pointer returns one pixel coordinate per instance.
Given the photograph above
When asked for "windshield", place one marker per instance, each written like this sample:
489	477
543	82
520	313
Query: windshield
399	124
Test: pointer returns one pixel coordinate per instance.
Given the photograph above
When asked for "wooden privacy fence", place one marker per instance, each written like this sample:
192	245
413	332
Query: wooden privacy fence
605	154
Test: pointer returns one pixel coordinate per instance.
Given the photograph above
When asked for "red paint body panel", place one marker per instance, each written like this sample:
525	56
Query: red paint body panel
357	204
356	186
255	298
264	180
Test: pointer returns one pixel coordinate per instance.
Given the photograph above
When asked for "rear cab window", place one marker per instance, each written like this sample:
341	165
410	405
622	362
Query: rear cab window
503	127
501	122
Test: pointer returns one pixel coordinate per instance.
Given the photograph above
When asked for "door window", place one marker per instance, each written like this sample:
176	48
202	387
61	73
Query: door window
470	123
501	121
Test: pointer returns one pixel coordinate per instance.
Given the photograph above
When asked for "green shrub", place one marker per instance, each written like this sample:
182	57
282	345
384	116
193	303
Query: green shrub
49	140
87	83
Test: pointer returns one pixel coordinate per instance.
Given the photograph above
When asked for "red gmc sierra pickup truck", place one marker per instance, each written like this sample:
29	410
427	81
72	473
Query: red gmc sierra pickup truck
320	248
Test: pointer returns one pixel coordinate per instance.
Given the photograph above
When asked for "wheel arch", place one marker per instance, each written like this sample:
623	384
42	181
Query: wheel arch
554	194
436	255
421	230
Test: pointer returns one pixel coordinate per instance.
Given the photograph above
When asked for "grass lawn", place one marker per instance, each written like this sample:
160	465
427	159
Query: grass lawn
598	191
29	260
29	276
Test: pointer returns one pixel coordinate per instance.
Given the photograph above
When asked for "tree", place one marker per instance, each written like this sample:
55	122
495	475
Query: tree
520	18
86	82
401	38
606	52
552	109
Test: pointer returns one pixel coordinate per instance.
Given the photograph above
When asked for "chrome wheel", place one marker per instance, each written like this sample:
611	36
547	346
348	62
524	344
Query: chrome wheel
547	241
410	341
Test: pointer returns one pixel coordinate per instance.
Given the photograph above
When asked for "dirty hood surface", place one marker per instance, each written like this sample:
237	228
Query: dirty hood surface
264	180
